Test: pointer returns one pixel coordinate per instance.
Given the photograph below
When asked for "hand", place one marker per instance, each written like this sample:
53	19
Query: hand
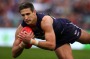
22	44
26	37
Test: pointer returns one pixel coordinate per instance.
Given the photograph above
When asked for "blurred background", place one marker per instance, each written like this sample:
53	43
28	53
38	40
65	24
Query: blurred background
78	11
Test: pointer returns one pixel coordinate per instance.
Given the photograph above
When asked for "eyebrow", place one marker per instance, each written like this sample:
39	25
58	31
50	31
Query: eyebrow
25	14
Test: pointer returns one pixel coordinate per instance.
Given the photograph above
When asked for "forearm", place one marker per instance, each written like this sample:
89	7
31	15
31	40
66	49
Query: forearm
44	44
17	50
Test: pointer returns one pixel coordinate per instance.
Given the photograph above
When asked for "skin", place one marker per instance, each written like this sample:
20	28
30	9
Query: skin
62	52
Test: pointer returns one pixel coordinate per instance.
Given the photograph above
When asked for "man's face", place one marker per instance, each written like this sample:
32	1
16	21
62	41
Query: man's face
28	15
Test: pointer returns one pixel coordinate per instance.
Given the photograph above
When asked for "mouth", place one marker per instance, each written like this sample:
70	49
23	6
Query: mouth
28	21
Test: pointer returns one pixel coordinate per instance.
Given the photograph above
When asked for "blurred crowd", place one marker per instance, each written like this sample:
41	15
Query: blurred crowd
78	11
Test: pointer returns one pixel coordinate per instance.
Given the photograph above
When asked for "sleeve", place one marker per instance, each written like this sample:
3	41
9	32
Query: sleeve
23	24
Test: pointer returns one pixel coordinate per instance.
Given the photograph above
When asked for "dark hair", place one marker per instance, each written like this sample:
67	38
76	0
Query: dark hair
26	5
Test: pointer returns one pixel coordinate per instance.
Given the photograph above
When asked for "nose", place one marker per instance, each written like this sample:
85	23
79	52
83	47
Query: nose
26	17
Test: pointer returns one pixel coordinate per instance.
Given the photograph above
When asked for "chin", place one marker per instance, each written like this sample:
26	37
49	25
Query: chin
28	23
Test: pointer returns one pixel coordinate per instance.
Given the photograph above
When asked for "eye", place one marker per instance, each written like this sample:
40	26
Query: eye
23	15
27	13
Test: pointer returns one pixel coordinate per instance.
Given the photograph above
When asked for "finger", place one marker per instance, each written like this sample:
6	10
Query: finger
22	36
25	32
30	32
32	35
19	37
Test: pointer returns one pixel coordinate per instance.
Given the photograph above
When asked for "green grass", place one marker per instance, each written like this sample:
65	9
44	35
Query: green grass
5	53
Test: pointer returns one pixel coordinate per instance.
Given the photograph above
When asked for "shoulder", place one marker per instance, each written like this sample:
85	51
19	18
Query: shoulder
40	15
47	18
44	18
46	22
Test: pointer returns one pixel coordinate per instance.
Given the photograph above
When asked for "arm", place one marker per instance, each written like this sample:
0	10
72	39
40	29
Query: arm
17	45
46	25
